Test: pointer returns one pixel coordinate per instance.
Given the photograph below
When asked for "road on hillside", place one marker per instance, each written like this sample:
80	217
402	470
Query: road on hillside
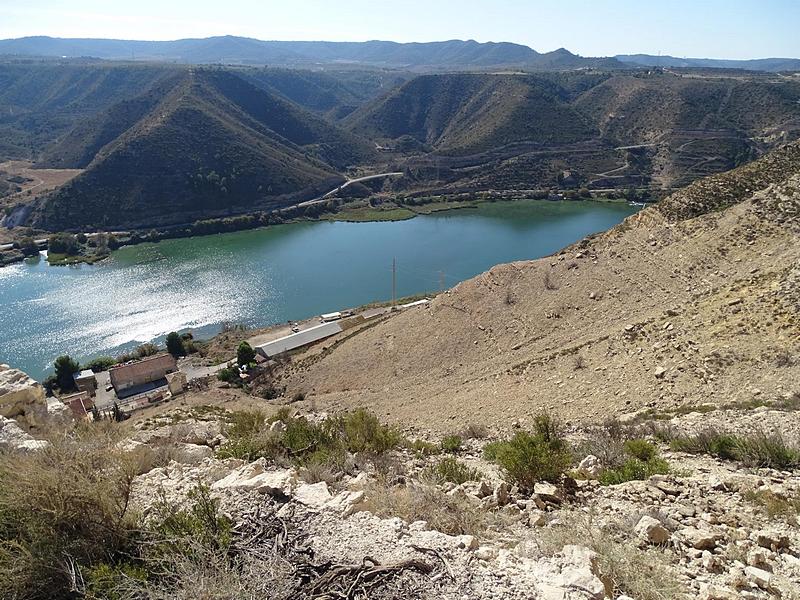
345	184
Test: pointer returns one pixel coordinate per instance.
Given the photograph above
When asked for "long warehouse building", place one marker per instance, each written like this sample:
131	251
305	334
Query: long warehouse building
299	339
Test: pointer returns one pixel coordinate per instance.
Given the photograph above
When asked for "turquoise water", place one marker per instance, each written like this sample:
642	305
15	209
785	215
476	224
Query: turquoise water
267	276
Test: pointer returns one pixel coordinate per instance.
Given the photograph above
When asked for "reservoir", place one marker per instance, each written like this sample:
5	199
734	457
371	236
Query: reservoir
267	276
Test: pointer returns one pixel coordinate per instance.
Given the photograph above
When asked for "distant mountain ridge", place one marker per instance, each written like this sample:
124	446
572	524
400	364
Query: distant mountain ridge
759	64
240	50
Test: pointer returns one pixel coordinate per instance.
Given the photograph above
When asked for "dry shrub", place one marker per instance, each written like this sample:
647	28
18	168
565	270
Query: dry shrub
624	567
454	515
475	431
62	509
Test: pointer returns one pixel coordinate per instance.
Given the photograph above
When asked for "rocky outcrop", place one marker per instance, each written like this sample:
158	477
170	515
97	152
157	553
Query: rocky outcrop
23	399
13	439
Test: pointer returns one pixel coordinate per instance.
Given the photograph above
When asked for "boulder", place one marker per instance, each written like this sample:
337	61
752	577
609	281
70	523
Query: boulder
651	530
579	572
700	539
191	454
590	466
501	495
486	553
278	483
13	439
313	495
547	492
759	577
345	502
21	397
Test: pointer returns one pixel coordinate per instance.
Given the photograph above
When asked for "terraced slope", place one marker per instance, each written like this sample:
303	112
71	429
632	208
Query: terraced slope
693	301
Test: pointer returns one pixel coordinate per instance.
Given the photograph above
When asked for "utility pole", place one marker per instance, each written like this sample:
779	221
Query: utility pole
394	281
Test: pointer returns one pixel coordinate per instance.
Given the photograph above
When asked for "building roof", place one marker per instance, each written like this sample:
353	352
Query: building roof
85	374
300	339
159	362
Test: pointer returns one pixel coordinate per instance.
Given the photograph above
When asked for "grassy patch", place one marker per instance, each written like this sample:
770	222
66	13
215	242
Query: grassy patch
451	443
775	506
452	470
316	446
362	215
453	515
756	450
641	461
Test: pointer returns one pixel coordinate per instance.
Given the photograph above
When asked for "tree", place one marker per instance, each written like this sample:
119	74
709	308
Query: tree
117	414
175	344
245	354
65	368
28	246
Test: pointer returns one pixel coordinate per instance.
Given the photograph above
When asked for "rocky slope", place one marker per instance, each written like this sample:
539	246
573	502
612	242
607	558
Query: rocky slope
689	302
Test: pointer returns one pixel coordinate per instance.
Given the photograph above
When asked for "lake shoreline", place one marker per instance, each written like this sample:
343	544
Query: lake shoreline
357	214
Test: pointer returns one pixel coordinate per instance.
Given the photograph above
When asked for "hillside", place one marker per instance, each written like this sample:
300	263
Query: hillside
209	144
40	102
237	50
467	113
758	64
693	301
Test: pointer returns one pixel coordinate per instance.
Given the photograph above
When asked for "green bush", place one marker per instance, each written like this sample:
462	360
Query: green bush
175	344
245	355
531	457
451	443
634	469
641	449
708	442
361	431
102	363
452	470
229	375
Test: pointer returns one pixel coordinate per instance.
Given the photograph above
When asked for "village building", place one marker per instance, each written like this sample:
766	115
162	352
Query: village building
86	381
298	340
79	403
142	376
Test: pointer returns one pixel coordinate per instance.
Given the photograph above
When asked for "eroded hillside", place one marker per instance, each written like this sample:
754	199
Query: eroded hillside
696	300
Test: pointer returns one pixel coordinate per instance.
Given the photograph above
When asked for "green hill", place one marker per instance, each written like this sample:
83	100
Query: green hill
212	144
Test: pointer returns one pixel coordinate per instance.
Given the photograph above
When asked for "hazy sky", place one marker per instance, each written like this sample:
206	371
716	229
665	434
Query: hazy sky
697	28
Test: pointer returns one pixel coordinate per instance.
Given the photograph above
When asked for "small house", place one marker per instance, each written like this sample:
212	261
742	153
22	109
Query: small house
86	381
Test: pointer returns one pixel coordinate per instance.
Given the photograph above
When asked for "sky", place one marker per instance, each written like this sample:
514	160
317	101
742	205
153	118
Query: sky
733	29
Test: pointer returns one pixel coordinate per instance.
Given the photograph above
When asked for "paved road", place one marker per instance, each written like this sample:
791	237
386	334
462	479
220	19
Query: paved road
346	183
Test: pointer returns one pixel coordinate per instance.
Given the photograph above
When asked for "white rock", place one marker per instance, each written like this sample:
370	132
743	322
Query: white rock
313	495
21	398
486	553
659	372
546	492
12	438
469	542
579	572
537	518
590	465
651	530
191	454
700	539
253	477
345	502
758	576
